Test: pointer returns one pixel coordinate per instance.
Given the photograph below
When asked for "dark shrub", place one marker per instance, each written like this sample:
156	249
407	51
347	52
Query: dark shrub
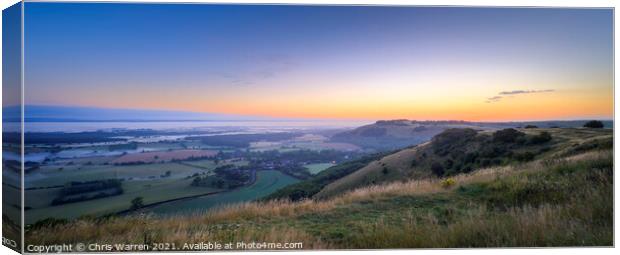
485	162
437	169
449	136
531	126
543	137
470	157
449	163
508	135
594	124
297	195
492	151
525	156
137	203
467	169
521	140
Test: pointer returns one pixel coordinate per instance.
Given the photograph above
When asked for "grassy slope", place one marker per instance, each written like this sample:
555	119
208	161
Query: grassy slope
267	182
401	166
550	202
372	173
318	167
314	184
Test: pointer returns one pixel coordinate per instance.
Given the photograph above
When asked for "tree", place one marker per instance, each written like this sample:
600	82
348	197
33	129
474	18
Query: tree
543	137
437	168
219	183
508	135
137	203
594	124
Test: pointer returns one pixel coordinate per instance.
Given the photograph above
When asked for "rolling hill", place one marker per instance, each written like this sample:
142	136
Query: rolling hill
386	135
457	151
451	152
395	134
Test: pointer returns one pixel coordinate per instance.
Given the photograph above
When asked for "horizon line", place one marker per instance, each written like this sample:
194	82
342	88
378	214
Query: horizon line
249	117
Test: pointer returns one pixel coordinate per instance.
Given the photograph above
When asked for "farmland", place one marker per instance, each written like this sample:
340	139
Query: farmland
168	172
318	167
266	183
151	191
163	156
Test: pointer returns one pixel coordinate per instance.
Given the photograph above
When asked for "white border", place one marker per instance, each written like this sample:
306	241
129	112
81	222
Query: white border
506	3
532	3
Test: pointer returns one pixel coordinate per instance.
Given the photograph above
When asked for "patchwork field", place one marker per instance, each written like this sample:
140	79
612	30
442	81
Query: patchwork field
54	176
318	167
266	183
166	176
152	191
164	156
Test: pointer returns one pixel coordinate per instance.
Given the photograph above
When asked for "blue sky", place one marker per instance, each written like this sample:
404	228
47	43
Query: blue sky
322	61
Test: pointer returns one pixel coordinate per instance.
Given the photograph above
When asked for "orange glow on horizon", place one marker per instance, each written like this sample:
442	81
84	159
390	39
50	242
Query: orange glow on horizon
518	108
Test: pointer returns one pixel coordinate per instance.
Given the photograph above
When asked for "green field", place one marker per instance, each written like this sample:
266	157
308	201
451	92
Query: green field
144	180
140	181
204	163
53	175
266	183
318	167
152	191
209	164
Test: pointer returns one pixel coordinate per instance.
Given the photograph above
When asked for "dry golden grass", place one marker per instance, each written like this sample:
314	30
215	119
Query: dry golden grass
143	229
585	219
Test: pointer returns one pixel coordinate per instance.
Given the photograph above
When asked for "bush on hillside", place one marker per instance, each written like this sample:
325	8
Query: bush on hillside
447	183
543	137
594	124
524	156
508	135
450	139
437	169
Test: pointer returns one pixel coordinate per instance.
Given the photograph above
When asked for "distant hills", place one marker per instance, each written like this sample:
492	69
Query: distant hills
44	113
401	131
394	134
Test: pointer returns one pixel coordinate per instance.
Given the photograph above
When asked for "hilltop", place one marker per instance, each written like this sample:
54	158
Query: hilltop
563	196
386	135
394	134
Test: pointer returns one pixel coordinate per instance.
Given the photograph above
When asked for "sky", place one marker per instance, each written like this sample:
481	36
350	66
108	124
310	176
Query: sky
11	55
333	62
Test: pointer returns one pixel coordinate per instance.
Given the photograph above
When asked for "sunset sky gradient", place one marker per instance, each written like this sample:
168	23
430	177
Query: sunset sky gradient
479	64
